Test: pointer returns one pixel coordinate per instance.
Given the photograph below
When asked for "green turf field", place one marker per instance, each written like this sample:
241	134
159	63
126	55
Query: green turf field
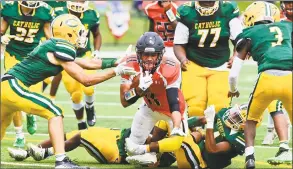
111	114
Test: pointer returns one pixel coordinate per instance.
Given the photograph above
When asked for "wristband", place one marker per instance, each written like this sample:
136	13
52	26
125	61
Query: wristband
170	15
131	96
108	62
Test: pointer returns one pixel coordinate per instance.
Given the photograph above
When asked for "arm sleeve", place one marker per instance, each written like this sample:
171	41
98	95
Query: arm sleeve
236	28
181	34
173	99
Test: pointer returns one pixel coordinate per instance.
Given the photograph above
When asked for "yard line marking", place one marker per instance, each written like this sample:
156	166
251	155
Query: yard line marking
264	163
97	103
27	140
26	164
96	92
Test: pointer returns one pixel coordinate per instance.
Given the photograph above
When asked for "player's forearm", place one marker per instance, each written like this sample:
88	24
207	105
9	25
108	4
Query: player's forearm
90	80
196	121
234	73
90	64
98	42
4	26
130	96
180	52
210	143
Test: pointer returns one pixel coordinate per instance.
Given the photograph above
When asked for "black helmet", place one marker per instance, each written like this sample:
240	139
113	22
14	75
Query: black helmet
150	42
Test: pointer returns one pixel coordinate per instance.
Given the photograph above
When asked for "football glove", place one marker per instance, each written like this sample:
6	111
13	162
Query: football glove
145	81
209	114
121	69
5	39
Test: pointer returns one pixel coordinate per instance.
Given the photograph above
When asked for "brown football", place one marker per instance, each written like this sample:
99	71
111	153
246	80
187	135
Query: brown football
135	81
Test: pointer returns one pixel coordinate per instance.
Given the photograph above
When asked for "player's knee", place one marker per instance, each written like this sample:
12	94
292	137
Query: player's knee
76	97
196	107
89	91
162	125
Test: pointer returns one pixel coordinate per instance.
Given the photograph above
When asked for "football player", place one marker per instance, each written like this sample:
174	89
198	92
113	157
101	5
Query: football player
91	20
213	148
201	44
56	4
28	22
48	59
163	21
158	83
274	57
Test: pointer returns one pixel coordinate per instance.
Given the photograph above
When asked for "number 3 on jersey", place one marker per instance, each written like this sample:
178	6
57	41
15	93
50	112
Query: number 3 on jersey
204	33
25	35
278	36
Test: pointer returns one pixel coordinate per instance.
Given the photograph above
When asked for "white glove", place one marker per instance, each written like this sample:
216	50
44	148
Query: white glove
5	39
177	132
145	81
209	114
96	54
121	69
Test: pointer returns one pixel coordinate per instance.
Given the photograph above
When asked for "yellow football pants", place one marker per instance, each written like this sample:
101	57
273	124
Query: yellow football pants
101	143
15	96
202	87
9	62
188	153
275	106
267	89
76	89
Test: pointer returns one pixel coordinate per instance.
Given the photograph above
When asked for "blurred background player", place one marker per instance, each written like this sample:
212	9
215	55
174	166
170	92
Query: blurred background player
162	20
201	44
274	57
28	21
158	83
90	19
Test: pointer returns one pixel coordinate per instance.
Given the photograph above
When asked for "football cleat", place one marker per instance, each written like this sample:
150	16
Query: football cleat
19	142
36	152
17	154
67	163
283	156
269	138
250	162
90	116
144	159
82	126
31	124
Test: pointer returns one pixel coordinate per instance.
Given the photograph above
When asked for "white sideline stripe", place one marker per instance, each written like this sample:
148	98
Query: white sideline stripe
26	164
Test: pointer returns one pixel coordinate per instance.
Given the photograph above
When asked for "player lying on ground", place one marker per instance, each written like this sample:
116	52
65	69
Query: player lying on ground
274	57
222	141
106	145
48	59
158	83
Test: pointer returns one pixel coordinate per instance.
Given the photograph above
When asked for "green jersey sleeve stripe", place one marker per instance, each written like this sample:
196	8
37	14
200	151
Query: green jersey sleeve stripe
66	46
239	141
32	97
66	56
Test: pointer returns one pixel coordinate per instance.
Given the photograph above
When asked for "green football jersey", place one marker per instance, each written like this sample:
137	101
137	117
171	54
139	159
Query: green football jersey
223	133
271	45
208	42
90	18
28	29
36	67
56	4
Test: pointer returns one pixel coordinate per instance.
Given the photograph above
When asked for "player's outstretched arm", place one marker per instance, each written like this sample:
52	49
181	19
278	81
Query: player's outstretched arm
210	142
47	30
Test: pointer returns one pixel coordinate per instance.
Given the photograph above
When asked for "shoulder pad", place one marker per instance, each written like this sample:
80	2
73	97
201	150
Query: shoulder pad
93	14
170	69
65	51
45	12
8	8
184	9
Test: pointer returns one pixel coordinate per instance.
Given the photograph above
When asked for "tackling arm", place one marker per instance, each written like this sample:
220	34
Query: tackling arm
4	26
78	74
